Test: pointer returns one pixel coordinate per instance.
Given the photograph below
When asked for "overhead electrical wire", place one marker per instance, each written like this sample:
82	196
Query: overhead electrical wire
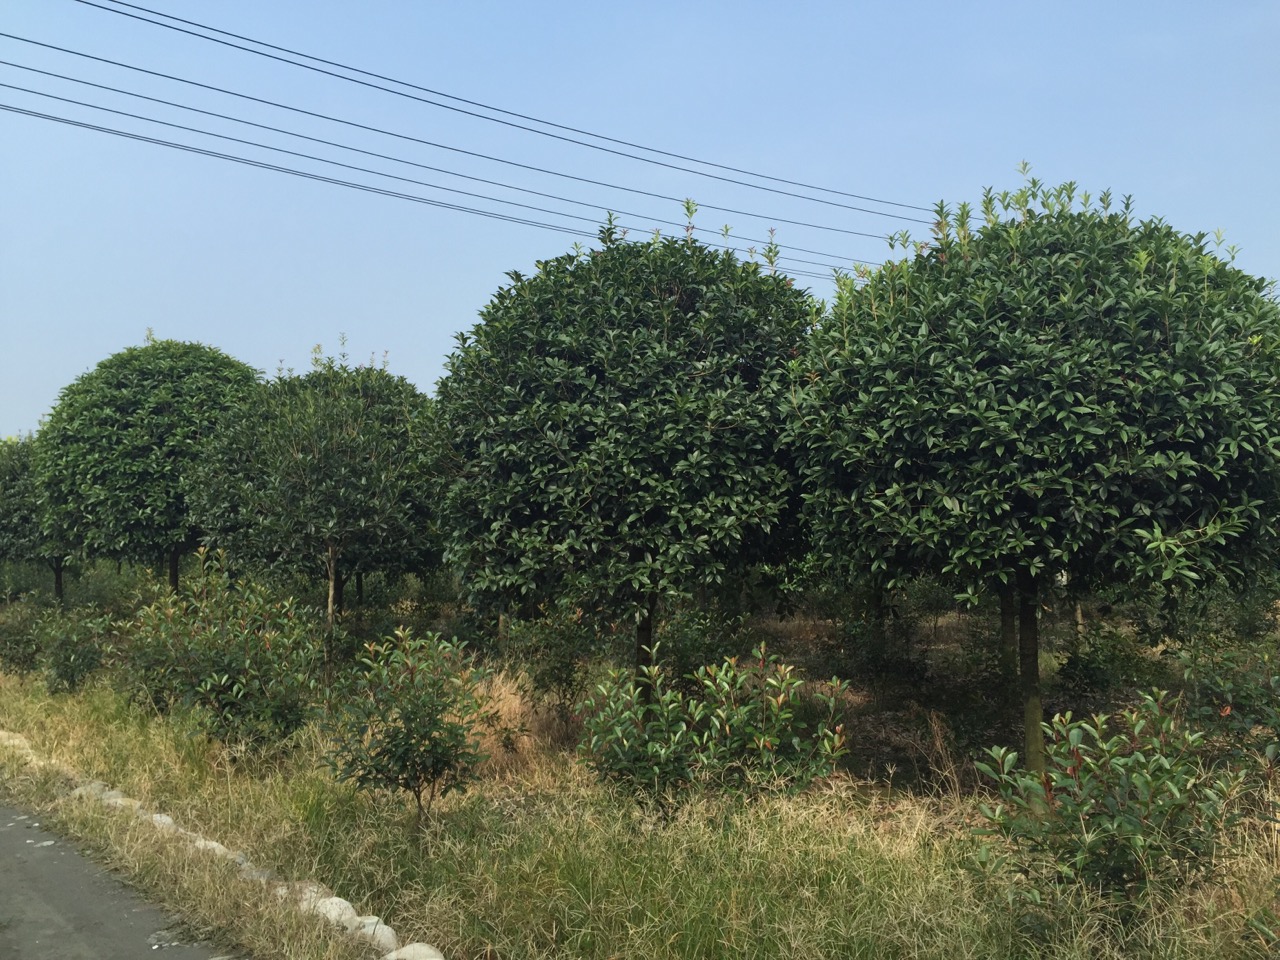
512	113
604	208
368	188
431	143
481	116
357	169
275	167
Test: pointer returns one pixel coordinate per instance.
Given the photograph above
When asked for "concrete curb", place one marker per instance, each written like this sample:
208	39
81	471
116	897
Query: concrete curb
307	896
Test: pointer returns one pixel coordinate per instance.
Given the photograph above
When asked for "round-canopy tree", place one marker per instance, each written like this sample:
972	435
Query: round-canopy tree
322	472
611	427
22	539
110	459
1062	391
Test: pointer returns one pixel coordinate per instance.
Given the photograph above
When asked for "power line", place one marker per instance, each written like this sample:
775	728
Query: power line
603	208
368	188
442	146
512	113
348	166
481	116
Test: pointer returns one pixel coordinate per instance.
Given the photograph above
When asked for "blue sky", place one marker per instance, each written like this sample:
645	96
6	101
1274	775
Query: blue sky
103	238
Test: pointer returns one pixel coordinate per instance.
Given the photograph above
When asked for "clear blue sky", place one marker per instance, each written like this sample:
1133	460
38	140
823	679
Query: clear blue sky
102	239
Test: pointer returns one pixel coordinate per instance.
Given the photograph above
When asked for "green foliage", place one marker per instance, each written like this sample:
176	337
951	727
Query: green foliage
1109	658
65	646
1217	609
743	728
413	718
1060	390
23	537
554	652
74	645
110	459
1233	695
690	637
20	636
1124	803
248	665
322	473
19	517
609	430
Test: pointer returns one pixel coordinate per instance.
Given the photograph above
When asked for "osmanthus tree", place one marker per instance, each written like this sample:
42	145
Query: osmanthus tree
110	459
610	428
1061	390
22	540
323	472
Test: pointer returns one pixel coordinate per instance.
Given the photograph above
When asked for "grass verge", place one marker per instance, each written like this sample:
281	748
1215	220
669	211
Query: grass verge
540	862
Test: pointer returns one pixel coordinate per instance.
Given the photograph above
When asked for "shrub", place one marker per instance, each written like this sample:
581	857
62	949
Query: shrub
691	638
742	729
74	646
553	652
1124	802
413	720
1107	659
1233	695
249	665
19	636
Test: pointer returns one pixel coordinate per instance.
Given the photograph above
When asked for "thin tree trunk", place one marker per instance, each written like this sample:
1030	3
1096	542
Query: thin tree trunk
59	593
878	616
359	588
175	557
1029	670
1009	640
332	568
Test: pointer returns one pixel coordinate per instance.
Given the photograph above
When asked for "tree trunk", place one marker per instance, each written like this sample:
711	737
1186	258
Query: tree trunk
175	557
1029	670
331	566
58	566
359	588
1009	641
878	634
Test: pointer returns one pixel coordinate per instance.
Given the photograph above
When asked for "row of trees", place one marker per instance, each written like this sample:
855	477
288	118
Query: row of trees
166	446
1058	392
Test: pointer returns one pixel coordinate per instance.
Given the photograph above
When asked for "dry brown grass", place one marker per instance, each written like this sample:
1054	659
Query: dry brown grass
541	862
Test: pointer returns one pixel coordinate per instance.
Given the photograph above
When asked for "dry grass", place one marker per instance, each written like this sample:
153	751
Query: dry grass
540	862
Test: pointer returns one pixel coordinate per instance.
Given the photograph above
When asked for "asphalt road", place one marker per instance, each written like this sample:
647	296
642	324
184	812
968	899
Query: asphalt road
56	904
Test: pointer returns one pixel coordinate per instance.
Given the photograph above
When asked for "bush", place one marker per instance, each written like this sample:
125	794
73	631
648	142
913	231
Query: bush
20	636
248	665
413	719
553	652
742	729
1233	695
1124	802
690	638
1106	660
74	646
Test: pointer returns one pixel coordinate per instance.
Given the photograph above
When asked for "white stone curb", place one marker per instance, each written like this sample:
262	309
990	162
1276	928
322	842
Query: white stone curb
310	897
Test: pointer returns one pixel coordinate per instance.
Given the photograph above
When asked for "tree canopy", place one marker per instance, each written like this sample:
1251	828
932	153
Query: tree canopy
22	537
110	459
1061	390
323	472
610	427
